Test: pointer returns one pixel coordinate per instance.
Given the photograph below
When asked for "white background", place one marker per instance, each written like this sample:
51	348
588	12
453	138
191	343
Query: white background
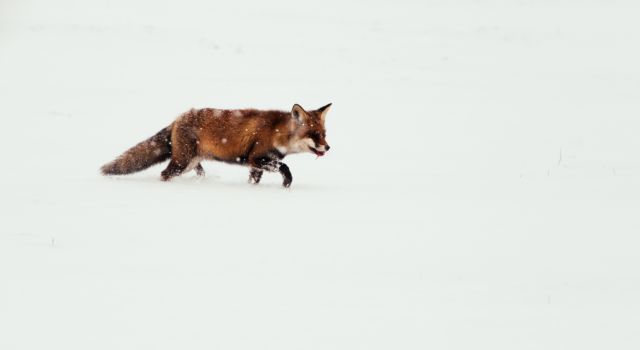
481	192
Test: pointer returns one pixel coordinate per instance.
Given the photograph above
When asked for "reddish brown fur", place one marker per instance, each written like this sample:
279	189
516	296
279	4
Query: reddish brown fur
250	137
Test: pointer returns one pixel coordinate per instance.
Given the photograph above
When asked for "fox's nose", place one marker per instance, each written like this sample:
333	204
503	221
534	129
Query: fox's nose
326	147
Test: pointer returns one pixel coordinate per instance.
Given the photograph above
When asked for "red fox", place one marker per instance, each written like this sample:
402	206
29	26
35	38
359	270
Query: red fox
255	138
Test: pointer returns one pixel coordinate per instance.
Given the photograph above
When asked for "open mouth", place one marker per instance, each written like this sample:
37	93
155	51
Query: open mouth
317	153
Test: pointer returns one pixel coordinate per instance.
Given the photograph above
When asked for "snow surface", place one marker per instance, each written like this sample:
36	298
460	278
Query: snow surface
481	192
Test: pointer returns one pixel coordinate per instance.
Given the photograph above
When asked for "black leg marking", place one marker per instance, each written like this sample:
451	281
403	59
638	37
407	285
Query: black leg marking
173	169
272	165
199	170
255	175
286	174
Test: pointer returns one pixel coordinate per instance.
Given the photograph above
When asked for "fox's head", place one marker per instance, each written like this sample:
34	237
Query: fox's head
309	135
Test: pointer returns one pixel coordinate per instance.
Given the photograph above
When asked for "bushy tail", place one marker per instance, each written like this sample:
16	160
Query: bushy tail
151	151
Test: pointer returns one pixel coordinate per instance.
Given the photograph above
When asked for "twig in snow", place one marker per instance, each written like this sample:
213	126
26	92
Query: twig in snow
560	158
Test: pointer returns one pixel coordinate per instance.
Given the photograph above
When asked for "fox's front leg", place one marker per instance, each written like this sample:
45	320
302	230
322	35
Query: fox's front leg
286	174
255	175
271	165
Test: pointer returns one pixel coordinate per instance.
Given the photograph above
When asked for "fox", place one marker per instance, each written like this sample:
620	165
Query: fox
258	139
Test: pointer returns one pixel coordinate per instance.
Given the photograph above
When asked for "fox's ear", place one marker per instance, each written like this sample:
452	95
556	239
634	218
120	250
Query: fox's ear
323	111
298	113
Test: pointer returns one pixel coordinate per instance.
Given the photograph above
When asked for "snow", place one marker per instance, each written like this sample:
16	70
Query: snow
482	188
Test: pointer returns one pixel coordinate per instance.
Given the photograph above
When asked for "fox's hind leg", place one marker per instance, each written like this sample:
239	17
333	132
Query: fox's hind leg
173	169
176	169
199	170
183	153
